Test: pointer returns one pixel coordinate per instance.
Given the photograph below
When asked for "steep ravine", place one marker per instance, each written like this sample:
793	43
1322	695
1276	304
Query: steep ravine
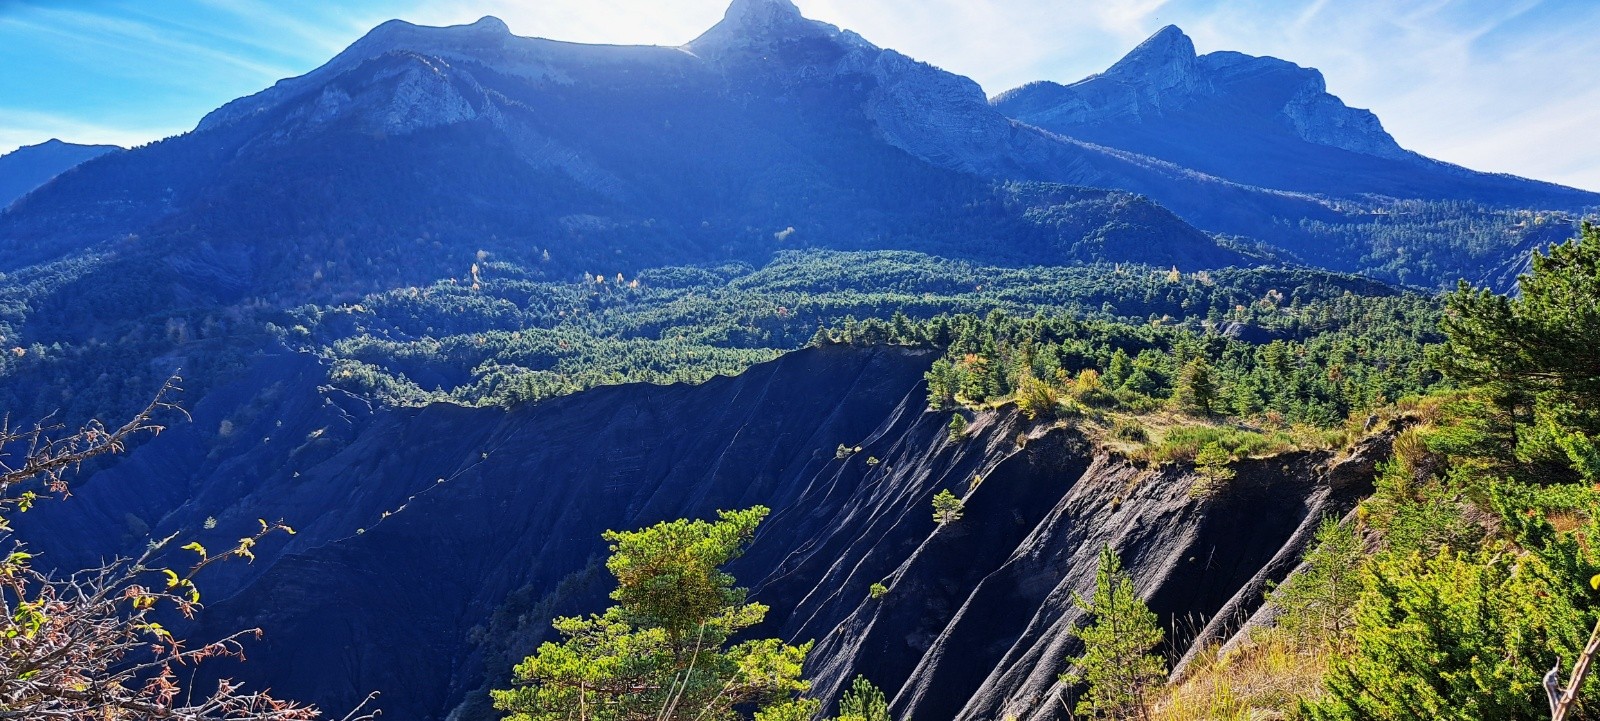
435	543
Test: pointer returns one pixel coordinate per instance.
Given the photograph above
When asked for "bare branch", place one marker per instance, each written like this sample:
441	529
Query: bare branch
86	646
48	459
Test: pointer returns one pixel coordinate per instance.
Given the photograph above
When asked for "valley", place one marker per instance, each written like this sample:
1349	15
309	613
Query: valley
458	307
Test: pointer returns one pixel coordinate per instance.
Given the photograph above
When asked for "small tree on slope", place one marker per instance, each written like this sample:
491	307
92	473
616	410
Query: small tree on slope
662	653
1117	664
863	702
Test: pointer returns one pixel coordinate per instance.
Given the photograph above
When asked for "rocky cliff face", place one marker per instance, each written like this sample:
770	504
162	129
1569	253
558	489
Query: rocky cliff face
1259	121
435	544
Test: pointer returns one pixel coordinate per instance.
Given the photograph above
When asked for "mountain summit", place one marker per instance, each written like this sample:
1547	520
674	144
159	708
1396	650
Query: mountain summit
31	166
760	14
1164	83
1258	121
1164	62
760	27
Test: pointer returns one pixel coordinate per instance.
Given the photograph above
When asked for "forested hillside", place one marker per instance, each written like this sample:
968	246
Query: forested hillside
782	377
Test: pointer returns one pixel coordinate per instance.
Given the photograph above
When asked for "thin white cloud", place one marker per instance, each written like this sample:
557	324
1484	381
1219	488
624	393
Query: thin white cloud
274	26
143	49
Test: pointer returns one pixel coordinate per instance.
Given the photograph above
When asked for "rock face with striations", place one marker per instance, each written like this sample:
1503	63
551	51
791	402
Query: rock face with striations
436	544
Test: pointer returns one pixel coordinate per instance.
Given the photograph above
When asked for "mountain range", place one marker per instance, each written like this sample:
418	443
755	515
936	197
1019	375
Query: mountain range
639	156
431	203
1258	121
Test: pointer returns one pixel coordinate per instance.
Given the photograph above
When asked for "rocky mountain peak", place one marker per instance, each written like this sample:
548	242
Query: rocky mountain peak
1164	86
1167	53
491	24
756	24
757	13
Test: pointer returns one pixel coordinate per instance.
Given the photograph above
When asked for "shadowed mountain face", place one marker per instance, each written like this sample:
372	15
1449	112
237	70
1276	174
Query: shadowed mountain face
31	166
418	146
1260	121
435	544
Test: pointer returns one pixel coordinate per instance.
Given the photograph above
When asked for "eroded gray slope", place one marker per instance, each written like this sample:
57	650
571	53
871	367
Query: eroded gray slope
435	544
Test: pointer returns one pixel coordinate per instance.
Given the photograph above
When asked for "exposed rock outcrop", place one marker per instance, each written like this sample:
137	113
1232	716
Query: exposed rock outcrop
436	543
1258	121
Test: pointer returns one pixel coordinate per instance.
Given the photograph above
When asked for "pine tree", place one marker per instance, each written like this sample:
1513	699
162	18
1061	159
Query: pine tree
957	430
1118	370
1196	392
946	507
1546	342
1316	601
1211	463
863	702
663	653
1117	663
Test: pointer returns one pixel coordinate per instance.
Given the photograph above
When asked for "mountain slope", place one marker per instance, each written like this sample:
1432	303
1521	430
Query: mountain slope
629	156
417	147
1260	121
455	534
31	166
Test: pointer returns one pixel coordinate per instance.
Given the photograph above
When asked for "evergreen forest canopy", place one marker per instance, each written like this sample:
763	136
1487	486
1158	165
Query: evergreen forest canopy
1330	344
1460	590
503	333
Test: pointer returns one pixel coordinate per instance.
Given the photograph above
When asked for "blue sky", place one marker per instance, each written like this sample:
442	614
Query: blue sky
1499	85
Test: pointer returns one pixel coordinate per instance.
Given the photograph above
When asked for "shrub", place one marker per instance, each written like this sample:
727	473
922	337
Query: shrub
947	507
1183	444
1036	398
1454	636
957	430
1129	430
1211	463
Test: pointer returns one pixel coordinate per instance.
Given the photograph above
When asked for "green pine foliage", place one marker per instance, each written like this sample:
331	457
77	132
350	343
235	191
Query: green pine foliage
1211	464
1486	515
1455	636
957	429
1315	603
1118	666
863	702
1542	348
665	651
1430	243
509	334
1368	353
1195	393
947	507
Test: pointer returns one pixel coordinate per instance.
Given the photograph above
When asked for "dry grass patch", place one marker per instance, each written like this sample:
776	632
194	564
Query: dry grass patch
1265	679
